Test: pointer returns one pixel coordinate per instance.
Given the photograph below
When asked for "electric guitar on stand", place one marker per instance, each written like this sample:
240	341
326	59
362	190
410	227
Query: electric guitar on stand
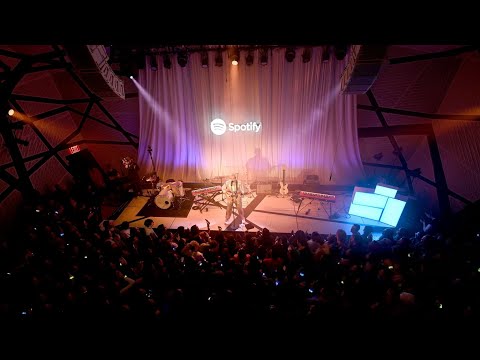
283	184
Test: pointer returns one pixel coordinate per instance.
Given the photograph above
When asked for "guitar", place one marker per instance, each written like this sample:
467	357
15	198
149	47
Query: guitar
283	184
233	195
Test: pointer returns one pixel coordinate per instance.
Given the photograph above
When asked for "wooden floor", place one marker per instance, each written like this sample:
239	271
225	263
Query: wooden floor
281	214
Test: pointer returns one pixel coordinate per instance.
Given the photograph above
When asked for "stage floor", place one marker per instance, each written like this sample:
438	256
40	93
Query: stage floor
278	213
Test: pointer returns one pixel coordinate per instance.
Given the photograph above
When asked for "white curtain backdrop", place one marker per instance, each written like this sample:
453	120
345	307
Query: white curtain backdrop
307	126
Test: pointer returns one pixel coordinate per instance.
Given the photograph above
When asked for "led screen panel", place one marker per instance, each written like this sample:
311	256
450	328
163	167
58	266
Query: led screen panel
365	211
369	199
392	212
386	191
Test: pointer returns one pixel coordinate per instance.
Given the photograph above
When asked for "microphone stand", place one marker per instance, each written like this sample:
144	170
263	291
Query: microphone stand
149	149
234	205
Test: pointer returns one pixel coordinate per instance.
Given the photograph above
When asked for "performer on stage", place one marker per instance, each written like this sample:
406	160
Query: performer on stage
233	190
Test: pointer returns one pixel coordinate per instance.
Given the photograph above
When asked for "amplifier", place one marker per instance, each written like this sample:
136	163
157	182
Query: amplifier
264	188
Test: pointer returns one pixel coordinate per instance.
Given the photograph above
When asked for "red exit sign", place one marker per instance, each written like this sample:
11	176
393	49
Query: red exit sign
74	149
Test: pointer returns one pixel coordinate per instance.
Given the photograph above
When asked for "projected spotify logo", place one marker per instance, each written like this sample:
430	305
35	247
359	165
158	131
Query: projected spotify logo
219	127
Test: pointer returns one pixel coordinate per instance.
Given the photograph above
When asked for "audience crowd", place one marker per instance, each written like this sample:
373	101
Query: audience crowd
66	262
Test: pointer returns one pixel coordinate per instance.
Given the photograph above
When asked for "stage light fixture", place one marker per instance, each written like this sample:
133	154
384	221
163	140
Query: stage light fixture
325	54
204	59
126	68
307	54
234	56
263	56
219	58
167	63
153	62
290	54
249	58
340	51
182	58
11	112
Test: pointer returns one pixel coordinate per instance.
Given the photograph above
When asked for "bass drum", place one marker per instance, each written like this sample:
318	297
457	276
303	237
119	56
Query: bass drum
164	200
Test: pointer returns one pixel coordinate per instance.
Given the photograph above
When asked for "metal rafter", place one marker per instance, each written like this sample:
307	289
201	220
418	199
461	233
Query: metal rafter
423	178
41	137
434	55
394	143
440	180
6	88
420	114
119	128
99	121
419	129
48	100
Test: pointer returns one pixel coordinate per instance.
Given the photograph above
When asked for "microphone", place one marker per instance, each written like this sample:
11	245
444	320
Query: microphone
208	222
330	177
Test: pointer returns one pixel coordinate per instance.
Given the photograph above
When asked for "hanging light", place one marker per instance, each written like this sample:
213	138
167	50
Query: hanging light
234	56
182	58
307	54
219	58
167	63
325	54
249	58
263	56
340	51
153	62
290	54
204	59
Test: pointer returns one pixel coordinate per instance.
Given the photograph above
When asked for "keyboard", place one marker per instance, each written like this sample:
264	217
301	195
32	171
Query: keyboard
206	190
318	196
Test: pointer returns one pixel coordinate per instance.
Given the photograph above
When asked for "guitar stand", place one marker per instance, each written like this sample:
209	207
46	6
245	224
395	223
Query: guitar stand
329	213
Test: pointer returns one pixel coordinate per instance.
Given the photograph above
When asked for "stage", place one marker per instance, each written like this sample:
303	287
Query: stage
280	214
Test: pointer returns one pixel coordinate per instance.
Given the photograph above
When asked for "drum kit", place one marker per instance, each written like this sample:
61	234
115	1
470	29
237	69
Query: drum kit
165	194
168	193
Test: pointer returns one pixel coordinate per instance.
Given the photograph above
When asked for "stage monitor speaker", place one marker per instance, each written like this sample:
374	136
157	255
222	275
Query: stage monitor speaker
264	188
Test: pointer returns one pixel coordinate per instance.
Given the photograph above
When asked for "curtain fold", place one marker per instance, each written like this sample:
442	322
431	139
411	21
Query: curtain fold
307	126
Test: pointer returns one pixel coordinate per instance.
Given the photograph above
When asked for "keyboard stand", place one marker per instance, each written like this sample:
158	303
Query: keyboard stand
329	213
202	203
